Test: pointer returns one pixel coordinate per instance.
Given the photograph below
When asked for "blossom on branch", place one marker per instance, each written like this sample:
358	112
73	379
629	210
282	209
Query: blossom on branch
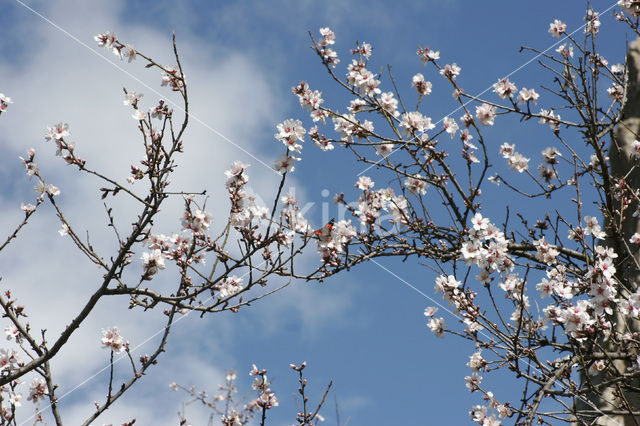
112	339
486	114
557	28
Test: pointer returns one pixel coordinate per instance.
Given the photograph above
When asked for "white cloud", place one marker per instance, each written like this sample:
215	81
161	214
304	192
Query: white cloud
59	80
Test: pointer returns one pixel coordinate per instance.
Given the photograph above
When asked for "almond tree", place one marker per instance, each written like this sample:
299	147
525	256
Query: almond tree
572	340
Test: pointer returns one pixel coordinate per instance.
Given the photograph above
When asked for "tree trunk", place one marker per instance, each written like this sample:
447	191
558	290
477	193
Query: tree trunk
622	162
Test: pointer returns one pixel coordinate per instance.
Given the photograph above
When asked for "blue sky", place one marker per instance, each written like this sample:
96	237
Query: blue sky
365	329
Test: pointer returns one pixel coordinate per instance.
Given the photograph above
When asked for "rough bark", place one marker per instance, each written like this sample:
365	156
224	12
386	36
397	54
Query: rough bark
623	164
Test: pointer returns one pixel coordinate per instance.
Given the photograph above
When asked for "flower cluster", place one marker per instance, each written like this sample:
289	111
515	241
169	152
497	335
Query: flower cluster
266	398
451	71
180	246
632	7
112	339
285	164
37	390
450	289
451	127
389	103
229	286
545	252
320	140
486	114
586	317
311	100
373	202
515	160
593	22
327	54
363	49
294	220
548	116
557	28
480	413
8	361
565	51
57	133
196	221
427	55
332	238
350	127
527	95
363	80
29	162
289	133
631	305
172	77
592	227
244	210
436	325
109	41
577	319
422	87
414	122
416	184
602	290
486	246
504	88
557	283
151	262
616	92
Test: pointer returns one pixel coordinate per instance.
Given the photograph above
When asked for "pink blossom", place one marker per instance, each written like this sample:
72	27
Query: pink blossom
565	51
152	261
527	95
37	390
430	311
416	184
428	55
229	286
364	183
548	116
451	71
450	126
132	98
557	28
384	149
437	326
289	133
129	52
285	164
106	40
423	87
57	131
112	339
593	22
415	122
504	88
486	114
389	103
